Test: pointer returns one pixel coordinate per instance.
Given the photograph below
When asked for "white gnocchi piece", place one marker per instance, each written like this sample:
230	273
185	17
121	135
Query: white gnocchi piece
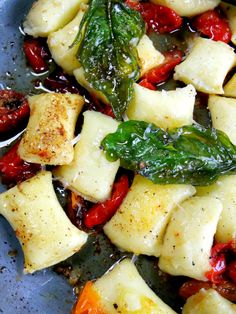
50	130
166	109
124	287
208	302
46	234
230	87
206	66
230	11
223	115
90	174
47	16
80	78
188	7
59	44
140	222
224	190
189	238
149	56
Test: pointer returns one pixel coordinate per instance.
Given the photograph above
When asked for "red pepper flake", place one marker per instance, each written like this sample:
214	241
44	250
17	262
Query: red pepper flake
15	170
214	25
14	109
158	18
102	212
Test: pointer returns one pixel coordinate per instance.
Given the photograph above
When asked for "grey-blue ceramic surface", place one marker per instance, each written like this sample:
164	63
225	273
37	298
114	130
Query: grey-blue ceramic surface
44	292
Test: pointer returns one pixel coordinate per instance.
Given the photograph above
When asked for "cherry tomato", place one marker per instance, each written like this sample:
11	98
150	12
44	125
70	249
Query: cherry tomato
60	82
162	72
225	288
192	287
88	302
158	18
218	261
232	271
213	25
14	170
218	264
14	109
102	212
36	54
147	84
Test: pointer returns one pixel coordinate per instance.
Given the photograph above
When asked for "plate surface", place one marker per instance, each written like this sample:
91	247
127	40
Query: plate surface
44	292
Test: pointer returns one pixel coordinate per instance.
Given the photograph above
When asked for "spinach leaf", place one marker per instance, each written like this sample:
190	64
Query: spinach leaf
190	154
107	40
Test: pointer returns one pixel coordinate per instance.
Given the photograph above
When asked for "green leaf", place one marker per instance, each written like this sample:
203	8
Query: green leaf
190	154
107	40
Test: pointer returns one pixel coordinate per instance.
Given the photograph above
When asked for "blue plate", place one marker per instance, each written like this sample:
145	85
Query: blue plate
45	291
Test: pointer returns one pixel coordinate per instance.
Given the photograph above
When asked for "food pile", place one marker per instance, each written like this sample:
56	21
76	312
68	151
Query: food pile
118	134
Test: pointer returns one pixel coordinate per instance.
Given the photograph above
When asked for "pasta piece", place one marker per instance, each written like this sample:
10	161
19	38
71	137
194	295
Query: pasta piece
46	234
79	75
225	191
60	42
149	57
230	87
47	16
189	238
166	109
50	130
223	114
188	7
208	302
122	290
90	174
139	224
206	65
230	11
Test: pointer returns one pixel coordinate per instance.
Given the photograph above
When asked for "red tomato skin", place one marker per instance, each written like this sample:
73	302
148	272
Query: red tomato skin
147	84
232	271
100	213
158	18
11	114
213	25
13	169
162	72
36	55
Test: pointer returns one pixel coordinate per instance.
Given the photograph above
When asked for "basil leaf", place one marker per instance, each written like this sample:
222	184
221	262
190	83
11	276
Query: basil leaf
190	154
107	40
